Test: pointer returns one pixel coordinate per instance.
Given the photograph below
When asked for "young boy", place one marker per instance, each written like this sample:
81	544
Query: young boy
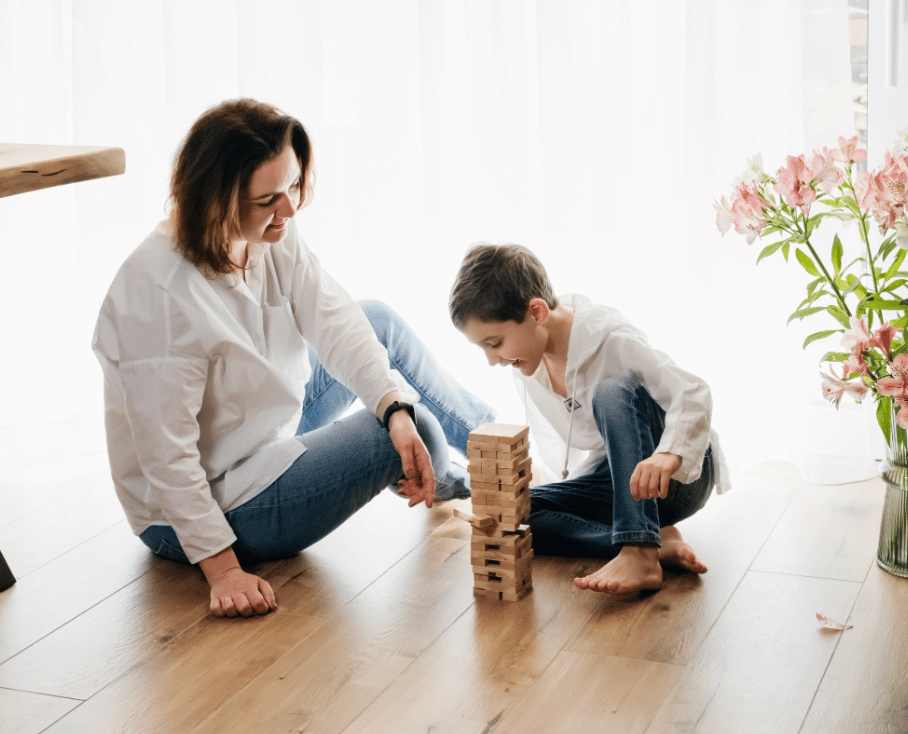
629	429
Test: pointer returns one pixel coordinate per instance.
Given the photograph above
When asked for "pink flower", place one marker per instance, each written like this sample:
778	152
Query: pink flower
882	338
857	337
902	416
897	384
854	365
884	192
834	388
848	151
724	215
824	173
745	212
794	183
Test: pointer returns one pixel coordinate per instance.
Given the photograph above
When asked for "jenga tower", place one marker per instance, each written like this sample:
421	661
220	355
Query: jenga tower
501	545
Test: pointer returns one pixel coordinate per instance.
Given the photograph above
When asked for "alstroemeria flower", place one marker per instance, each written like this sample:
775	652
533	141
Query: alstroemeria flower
900	146
848	151
754	173
882	337
901	232
857	337
833	389
794	183
855	364
897	384
724	215
825	173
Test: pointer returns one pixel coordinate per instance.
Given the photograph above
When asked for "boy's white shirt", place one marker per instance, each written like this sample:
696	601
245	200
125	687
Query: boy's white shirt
603	343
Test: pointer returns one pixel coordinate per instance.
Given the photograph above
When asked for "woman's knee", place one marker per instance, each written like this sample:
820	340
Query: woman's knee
433	437
616	394
384	319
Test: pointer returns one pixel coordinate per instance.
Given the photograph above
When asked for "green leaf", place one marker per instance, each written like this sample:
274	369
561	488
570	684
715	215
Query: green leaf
884	414
896	264
839	315
837	254
806	262
785	249
901	322
819	335
812	286
770	249
894	285
805	312
885	304
835	356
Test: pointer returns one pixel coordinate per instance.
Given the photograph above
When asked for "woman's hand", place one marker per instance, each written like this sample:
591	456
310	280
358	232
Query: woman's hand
233	591
651	476
419	476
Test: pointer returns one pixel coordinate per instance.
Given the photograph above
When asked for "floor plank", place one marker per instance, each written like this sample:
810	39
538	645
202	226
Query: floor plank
195	673
763	660
98	646
472	673
866	686
595	693
30	713
326	681
670	625
802	543
58	592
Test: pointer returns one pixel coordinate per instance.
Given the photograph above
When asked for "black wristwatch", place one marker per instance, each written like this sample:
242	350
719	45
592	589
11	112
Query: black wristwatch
393	408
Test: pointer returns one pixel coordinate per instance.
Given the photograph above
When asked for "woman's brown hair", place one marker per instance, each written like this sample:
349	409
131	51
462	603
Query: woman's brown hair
212	169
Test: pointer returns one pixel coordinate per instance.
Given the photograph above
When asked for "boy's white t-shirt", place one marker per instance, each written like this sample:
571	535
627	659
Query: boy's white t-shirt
603	343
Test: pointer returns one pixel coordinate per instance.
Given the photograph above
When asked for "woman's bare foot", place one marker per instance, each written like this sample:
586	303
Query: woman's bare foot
635	568
675	552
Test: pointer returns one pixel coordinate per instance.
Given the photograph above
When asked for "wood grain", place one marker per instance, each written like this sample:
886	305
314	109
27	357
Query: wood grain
866	686
853	509
670	625
762	661
31	167
30	713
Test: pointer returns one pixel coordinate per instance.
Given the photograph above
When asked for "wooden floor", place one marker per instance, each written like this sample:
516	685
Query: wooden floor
378	629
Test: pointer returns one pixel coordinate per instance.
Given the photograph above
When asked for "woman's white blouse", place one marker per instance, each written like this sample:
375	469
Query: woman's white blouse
205	378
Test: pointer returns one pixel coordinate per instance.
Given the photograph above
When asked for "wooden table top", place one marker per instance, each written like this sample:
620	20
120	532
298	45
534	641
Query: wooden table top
31	167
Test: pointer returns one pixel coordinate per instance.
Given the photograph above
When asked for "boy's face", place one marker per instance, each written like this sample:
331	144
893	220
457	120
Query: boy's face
509	343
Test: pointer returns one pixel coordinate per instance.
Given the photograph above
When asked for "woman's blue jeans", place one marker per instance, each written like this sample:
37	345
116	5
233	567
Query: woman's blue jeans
349	460
594	515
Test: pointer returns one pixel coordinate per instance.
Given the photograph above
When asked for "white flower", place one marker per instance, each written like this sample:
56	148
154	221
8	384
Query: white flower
754	173
900	144
901	232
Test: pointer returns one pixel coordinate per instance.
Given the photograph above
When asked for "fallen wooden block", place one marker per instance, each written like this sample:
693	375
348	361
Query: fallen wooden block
477	521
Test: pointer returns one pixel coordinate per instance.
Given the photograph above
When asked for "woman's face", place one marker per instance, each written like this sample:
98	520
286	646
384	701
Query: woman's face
273	196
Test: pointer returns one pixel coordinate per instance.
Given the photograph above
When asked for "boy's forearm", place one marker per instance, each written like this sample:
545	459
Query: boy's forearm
216	566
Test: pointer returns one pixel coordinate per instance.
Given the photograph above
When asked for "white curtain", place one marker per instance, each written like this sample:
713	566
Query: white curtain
597	133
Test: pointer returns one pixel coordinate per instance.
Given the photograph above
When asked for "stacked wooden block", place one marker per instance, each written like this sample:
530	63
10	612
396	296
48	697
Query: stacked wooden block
501	544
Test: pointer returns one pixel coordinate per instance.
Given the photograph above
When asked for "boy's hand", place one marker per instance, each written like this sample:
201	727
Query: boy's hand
419	477
650	477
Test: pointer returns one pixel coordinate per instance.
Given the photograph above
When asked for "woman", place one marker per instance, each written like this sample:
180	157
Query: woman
221	421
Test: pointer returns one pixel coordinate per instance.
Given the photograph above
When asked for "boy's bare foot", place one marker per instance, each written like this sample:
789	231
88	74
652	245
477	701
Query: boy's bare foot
635	568
675	552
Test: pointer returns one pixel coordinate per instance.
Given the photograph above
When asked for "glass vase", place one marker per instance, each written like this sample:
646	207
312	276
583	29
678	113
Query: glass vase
892	554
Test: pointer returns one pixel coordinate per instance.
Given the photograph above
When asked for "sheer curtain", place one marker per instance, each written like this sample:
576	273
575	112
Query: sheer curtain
597	133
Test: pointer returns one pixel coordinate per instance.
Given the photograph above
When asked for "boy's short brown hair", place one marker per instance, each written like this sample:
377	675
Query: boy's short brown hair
497	283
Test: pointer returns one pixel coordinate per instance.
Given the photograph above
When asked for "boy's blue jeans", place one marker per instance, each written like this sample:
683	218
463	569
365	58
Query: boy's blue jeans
594	515
349	460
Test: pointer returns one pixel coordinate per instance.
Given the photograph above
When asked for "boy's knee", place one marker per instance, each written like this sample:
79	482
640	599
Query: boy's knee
615	390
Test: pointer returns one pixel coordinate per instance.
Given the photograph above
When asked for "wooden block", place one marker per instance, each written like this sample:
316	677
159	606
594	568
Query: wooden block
499	433
513	569
499	536
497	447
505	553
510	559
477	521
485	471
